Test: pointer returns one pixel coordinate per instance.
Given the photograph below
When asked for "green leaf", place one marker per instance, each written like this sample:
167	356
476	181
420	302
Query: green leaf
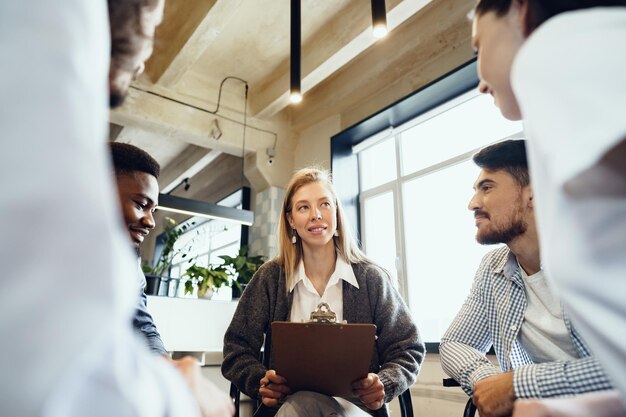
239	262
188	287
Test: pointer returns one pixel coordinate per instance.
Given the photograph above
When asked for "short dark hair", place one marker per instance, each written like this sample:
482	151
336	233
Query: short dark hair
128	158
541	10
509	156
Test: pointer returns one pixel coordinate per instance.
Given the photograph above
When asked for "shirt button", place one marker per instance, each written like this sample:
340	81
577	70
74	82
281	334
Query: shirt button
513	328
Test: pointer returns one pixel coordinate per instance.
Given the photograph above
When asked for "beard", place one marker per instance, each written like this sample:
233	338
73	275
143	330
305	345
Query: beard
515	227
137	249
502	235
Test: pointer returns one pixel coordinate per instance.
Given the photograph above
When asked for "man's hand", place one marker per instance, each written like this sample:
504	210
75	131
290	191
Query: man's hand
211	400
494	396
273	388
371	391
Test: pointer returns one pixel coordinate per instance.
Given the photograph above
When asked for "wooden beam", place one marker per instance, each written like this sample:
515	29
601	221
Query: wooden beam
334	45
170	174
179	122
216	181
114	131
194	26
423	48
181	19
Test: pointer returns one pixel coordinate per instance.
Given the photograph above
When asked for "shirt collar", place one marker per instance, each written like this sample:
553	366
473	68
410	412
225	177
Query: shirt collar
343	270
509	267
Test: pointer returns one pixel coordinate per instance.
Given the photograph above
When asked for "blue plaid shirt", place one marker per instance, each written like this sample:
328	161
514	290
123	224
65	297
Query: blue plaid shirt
492	315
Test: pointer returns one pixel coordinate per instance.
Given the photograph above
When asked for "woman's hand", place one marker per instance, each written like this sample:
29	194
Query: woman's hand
371	391
273	388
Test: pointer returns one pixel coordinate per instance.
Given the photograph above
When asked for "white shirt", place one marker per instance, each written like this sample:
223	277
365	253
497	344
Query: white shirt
69	277
570	83
306	298
543	332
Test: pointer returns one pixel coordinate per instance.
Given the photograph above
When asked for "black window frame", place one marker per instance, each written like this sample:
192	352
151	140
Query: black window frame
344	163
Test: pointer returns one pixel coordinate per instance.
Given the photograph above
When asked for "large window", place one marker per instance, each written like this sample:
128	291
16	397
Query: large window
205	241
415	185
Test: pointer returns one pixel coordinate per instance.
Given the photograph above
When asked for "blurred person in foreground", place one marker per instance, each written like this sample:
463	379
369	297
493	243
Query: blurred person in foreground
558	66
67	299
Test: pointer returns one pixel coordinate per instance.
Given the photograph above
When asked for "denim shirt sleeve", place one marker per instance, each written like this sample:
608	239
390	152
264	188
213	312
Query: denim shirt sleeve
144	324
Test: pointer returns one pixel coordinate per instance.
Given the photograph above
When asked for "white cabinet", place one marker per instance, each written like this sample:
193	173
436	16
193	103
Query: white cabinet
191	325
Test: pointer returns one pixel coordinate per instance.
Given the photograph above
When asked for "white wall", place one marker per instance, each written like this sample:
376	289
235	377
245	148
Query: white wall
191	324
313	146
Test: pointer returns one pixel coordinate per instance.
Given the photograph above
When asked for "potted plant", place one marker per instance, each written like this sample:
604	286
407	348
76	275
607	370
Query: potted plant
160	270
207	279
241	269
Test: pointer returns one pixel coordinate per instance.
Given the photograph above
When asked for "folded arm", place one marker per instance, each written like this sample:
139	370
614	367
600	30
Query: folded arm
559	378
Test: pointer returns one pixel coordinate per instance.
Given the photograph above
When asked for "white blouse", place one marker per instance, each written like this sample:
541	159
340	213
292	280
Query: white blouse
306	298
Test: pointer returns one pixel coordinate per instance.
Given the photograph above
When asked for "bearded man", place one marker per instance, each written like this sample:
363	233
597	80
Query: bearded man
511	305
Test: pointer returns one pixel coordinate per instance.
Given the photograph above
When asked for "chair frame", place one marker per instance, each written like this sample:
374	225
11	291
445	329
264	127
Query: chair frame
470	408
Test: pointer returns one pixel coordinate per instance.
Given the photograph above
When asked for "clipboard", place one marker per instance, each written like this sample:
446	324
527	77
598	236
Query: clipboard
322	357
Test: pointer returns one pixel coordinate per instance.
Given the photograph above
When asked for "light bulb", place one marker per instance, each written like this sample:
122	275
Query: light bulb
379	31
295	97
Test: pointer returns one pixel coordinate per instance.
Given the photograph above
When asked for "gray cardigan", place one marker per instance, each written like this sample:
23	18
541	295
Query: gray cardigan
399	349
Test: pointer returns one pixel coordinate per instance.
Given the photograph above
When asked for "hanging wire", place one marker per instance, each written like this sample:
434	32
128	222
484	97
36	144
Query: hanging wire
245	117
215	112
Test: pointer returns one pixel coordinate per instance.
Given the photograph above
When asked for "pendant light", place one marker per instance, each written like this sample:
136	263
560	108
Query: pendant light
295	65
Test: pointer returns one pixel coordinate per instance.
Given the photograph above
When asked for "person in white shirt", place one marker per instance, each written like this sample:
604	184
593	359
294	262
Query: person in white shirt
319	261
67	299
559	67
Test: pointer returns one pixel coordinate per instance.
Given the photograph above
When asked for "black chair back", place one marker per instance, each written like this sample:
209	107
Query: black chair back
470	408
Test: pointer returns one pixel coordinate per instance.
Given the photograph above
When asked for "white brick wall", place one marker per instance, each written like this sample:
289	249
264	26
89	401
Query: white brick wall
263	239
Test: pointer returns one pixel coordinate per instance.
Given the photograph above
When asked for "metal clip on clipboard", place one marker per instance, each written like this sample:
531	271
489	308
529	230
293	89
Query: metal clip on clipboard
323	314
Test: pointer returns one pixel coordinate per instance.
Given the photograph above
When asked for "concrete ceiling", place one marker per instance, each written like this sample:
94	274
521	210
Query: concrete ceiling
169	111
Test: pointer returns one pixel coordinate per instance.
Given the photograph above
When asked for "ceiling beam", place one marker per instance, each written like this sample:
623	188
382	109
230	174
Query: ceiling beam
114	131
185	165
181	19
216	181
334	45
425	47
180	122
188	28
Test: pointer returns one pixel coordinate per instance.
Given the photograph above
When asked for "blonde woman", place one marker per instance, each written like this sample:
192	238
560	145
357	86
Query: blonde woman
319	261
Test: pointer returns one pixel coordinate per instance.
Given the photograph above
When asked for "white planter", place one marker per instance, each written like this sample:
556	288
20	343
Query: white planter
207	295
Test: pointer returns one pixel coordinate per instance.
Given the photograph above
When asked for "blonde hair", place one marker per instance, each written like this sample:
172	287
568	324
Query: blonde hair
290	254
